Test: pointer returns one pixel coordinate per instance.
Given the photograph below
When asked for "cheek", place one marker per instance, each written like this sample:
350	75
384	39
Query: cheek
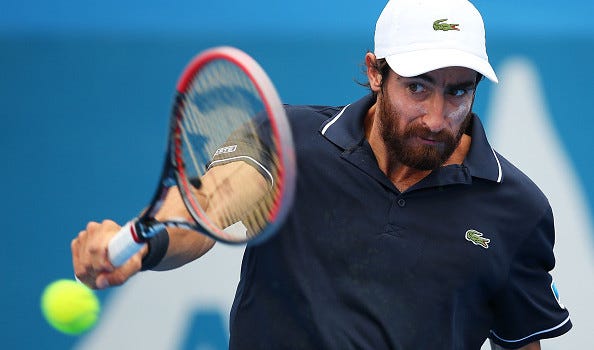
458	115
407	111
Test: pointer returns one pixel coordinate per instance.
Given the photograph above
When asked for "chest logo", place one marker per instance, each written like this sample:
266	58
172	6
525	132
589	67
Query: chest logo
477	238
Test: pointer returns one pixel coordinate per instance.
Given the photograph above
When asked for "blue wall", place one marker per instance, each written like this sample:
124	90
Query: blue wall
85	90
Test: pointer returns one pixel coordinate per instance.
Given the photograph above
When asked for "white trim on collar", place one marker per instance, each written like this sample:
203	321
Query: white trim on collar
334	119
498	166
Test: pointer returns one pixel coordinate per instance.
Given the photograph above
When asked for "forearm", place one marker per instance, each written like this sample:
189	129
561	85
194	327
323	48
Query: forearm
184	246
226	200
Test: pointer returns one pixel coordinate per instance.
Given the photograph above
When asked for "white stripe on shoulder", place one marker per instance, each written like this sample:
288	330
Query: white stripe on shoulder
533	334
334	119
498	166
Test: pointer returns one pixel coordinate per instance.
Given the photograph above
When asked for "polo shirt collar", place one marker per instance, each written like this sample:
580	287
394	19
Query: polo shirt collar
345	130
482	160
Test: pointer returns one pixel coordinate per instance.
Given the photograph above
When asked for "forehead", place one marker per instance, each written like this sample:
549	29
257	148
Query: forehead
446	75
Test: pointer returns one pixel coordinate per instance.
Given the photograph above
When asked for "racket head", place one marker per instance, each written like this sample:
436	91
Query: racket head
231	147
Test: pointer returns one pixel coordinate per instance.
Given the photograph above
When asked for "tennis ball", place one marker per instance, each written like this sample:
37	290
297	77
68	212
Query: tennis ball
69	306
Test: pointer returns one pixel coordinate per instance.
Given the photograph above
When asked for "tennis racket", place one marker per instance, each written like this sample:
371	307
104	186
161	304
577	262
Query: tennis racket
230	155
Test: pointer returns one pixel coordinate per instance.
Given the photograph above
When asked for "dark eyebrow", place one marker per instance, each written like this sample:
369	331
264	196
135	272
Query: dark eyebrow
461	85
426	77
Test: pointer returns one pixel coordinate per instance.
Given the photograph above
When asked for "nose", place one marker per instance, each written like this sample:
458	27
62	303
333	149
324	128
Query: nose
434	118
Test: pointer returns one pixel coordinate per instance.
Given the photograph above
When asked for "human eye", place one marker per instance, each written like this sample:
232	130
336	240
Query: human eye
416	88
460	91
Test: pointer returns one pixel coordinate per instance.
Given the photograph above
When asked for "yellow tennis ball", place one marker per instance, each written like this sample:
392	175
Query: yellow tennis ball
70	306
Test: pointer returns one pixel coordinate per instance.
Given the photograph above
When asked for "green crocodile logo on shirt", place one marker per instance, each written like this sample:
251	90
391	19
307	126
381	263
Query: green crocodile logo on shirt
477	238
439	25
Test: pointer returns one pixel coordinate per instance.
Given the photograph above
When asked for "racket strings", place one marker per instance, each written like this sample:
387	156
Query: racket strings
220	110
252	213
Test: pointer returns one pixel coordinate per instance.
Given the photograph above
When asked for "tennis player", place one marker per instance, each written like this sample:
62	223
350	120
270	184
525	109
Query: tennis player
408	230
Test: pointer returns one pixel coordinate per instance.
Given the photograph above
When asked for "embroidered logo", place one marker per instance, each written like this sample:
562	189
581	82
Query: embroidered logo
439	25
556	294
223	150
477	238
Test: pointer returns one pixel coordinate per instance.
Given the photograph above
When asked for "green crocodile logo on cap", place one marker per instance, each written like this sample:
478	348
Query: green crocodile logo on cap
439	25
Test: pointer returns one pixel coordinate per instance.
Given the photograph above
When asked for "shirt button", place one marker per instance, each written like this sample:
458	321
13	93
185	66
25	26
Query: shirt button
401	202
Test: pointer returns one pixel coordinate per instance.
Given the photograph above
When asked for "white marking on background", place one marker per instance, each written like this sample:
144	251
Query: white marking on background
521	129
152	310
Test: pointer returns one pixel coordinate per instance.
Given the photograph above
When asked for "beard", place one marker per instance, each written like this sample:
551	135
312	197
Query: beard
402	145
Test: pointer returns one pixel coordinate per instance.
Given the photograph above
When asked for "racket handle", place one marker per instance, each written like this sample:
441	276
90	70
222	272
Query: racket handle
124	245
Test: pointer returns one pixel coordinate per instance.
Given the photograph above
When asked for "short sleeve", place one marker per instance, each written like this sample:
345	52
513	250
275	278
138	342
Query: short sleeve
248	145
529	308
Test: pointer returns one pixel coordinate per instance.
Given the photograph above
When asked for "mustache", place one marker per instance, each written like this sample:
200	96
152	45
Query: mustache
418	130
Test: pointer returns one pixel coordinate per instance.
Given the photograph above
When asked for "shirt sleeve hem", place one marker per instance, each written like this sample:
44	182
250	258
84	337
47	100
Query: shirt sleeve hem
553	332
249	160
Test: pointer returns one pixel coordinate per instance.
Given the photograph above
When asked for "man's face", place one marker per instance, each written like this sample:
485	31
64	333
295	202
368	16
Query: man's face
422	119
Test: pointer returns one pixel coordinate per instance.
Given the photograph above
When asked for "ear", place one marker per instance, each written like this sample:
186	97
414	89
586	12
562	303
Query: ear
373	75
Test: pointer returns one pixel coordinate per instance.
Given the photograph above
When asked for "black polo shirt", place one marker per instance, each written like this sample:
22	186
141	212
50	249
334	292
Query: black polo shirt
463	255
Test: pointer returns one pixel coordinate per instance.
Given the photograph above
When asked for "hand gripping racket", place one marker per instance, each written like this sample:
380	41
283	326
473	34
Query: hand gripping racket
230	155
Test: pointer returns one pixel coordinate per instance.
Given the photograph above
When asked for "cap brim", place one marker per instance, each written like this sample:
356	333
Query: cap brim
410	64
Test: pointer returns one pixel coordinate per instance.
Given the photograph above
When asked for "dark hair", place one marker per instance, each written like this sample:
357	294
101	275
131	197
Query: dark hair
381	65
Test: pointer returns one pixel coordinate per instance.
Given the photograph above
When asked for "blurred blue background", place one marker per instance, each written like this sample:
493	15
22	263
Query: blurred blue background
86	86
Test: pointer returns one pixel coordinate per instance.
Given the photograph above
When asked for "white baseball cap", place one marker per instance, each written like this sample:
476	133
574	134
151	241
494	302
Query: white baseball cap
418	36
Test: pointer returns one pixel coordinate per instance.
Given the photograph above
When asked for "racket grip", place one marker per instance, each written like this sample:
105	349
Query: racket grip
124	245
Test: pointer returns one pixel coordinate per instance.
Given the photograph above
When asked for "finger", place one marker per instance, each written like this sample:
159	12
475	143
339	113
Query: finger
80	262
109	229
89	254
92	227
97	243
102	281
110	225
120	275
